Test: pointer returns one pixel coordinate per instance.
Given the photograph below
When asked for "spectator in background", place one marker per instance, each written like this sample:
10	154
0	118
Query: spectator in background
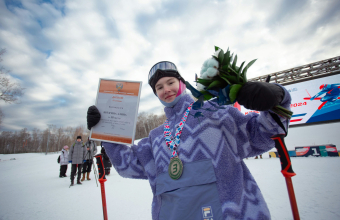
63	161
91	150
76	157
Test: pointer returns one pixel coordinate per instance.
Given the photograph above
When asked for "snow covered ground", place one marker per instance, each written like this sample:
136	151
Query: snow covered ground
30	189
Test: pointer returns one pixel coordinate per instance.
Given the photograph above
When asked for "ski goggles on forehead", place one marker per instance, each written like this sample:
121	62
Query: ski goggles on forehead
164	65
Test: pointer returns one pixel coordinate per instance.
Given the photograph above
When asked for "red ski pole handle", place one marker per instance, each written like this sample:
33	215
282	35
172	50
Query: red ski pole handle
100	166
286	165
287	171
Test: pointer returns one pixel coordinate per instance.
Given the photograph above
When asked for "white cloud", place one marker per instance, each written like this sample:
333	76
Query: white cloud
59	51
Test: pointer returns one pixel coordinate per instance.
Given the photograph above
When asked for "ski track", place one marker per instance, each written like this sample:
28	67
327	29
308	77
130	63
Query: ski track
30	189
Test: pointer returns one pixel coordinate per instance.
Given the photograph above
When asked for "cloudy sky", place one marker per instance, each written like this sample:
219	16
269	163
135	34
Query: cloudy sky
58	49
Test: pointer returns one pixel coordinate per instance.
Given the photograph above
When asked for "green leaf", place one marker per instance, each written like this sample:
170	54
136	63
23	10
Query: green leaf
207	95
216	48
231	58
244	77
234	62
226	59
284	110
216	83
232	70
234	89
240	68
244	73
225	67
226	79
239	71
248	65
230	79
205	82
220	57
281	112
215	57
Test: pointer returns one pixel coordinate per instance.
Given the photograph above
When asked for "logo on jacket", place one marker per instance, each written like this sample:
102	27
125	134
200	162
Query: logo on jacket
207	213
119	86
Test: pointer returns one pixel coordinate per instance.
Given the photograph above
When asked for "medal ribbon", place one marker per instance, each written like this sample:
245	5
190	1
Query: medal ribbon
170	141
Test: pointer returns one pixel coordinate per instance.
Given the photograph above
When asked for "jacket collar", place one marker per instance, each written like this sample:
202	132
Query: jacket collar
81	142
180	107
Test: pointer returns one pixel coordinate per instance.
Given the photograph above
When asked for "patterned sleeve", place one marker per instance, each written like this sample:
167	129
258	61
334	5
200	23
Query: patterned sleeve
132	162
252	132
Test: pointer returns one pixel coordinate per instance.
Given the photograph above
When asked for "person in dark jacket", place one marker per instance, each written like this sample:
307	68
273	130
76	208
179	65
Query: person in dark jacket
91	150
76	157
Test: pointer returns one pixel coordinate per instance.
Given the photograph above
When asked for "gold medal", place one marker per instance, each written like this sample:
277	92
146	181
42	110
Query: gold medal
175	168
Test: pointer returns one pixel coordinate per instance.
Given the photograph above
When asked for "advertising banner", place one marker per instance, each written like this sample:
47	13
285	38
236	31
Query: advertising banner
313	101
317	151
117	102
316	100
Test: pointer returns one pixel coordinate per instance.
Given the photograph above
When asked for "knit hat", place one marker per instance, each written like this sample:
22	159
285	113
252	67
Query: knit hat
79	137
65	147
163	69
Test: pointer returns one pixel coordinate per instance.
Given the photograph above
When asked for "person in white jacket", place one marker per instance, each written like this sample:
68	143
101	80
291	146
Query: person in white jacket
63	161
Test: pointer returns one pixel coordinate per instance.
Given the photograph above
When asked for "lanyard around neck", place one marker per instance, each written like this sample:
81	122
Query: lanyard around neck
173	142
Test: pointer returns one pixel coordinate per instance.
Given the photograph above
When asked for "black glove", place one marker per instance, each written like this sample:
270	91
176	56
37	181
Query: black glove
93	116
260	96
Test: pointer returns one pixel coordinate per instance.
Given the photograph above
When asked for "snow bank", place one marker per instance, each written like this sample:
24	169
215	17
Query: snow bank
31	189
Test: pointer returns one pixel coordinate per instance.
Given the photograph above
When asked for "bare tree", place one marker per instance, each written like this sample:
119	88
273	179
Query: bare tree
80	130
25	141
55	138
147	122
9	91
1	116
36	140
60	134
4	142
24	138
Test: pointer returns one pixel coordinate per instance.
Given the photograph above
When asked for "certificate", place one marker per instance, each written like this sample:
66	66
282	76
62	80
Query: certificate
117	102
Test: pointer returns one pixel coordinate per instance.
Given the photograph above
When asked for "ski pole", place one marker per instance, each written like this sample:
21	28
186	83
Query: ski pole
287	171
95	172
286	165
102	180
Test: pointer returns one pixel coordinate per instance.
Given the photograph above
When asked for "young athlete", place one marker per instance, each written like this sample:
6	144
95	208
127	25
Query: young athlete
195	165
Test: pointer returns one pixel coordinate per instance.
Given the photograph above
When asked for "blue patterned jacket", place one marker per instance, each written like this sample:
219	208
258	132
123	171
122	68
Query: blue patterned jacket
216	183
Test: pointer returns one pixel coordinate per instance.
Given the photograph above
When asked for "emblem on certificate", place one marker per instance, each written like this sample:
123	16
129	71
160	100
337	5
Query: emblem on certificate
175	168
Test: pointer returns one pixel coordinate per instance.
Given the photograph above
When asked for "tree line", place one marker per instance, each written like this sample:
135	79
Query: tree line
53	138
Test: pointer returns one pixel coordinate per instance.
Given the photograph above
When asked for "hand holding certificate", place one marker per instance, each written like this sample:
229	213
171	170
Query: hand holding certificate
117	102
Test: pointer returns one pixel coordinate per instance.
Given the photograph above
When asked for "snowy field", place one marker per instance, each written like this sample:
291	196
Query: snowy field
30	189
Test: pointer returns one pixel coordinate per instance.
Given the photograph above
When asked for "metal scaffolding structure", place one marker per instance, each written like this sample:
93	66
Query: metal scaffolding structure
323	67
